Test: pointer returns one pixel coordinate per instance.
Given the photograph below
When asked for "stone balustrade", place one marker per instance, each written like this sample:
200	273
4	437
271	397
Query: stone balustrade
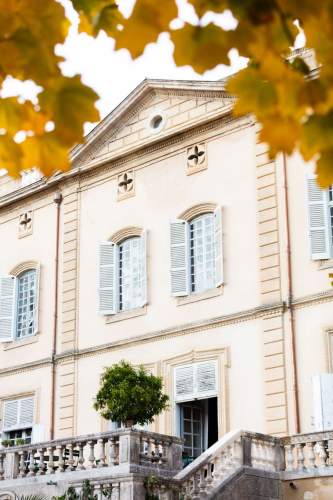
110	449
306	452
235	450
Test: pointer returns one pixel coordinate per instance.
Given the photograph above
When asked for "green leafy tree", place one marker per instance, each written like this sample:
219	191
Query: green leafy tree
130	394
293	103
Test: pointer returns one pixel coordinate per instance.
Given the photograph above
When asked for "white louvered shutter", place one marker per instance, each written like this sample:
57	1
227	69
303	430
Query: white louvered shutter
184	383
206	379
218	246
179	247
26	412
10	415
107	278
7	308
318	220
143	268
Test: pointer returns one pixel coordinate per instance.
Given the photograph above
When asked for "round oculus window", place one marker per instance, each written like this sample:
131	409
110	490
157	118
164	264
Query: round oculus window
156	122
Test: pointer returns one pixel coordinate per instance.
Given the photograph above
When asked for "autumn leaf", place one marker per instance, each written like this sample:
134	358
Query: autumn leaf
10	155
203	6
325	168
276	136
148	19
96	15
70	104
46	152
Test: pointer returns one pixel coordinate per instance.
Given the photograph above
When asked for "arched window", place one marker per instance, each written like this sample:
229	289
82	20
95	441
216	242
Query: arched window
202	253
196	252
19	303
26	303
122	274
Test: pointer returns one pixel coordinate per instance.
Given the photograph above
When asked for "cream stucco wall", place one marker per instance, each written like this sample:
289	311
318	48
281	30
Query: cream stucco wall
246	323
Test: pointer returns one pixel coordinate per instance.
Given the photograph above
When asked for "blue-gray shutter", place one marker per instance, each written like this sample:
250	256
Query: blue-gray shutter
179	248
107	291
320	245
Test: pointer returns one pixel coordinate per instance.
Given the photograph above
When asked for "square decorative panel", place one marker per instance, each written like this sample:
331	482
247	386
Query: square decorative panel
196	158
25	224
125	186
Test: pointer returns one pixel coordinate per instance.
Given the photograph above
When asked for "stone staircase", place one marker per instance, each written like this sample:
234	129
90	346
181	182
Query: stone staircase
125	464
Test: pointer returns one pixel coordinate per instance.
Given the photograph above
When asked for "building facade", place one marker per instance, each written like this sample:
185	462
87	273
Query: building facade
176	243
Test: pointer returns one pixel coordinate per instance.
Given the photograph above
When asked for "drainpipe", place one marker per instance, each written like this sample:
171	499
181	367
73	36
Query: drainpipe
290	307
57	200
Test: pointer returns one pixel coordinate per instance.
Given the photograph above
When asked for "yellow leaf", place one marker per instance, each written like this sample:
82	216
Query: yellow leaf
280	133
254	94
148	19
317	135
10	155
15	116
201	47
203	6
96	15
325	168
70	104
46	152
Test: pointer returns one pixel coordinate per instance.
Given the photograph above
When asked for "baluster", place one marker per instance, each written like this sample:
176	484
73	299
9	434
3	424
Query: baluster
91	457
322	456
271	456
209	478
311	455
202	483
112	453
196	486
50	463
107	491
2	468
22	465
70	461
237	453
102	456
41	465
217	469
98	491
61	461
289	457
300	456
254	453
31	463
115	491
188	490
80	461
150	449
330	452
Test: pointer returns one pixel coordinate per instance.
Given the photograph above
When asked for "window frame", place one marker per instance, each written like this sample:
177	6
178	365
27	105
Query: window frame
191	261
19	278
120	273
330	216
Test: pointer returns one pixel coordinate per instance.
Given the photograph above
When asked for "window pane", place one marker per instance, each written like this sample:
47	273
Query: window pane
26	304
202	253
130	274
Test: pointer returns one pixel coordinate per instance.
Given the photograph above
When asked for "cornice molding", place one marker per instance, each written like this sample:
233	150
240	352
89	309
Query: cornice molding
25	367
126	232
199	209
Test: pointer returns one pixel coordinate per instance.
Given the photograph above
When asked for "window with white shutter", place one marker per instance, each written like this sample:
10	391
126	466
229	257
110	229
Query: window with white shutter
319	224
18	414
196	381
123	275
7	308
196	254
26	306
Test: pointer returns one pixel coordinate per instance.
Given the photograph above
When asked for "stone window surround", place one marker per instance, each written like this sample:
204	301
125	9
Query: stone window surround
221	354
117	238
188	215
16	271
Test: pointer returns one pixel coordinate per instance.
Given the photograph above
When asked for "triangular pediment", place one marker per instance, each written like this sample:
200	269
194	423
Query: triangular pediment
155	110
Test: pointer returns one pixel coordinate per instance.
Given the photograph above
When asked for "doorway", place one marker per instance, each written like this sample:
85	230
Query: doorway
198	426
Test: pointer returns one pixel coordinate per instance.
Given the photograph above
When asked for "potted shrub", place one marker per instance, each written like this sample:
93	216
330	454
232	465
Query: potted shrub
7	442
19	442
130	395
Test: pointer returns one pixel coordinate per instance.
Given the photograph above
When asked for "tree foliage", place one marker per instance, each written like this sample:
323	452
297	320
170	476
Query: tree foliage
293	104
129	393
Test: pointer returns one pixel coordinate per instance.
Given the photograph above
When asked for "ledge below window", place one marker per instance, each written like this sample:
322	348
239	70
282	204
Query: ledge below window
325	264
20	342
133	313
195	297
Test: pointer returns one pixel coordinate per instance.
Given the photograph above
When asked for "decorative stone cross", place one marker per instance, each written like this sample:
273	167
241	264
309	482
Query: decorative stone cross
126	183
25	223
196	155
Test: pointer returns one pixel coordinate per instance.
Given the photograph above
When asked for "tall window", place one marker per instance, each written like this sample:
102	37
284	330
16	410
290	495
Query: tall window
122	275
202	253
196	253
26	303
320	202
130	274
18	305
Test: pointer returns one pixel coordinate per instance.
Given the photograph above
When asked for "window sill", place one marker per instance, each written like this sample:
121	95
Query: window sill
133	313
195	297
325	264
20	343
